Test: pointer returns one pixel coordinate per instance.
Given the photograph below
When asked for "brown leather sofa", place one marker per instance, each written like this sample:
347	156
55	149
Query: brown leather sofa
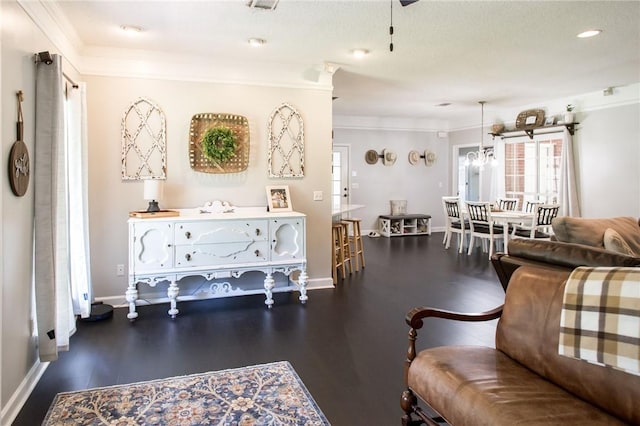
522	380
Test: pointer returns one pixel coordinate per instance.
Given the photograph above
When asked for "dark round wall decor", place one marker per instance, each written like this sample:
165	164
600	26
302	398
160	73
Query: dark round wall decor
19	168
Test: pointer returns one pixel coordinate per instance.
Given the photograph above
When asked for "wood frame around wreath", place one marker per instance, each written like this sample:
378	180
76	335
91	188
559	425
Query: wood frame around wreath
199	125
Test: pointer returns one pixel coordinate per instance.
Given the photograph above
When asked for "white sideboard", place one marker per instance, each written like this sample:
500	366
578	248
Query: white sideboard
215	246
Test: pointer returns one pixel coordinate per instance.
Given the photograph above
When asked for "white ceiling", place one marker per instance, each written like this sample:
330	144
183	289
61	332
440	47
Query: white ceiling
509	53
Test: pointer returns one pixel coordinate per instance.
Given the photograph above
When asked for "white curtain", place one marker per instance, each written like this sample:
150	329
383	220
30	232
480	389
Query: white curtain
568	193
56	243
497	188
77	166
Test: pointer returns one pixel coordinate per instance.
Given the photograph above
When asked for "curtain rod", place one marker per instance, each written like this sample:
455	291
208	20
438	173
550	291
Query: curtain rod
46	58
73	83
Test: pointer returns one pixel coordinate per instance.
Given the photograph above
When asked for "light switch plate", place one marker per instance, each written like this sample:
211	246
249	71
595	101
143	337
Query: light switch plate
317	195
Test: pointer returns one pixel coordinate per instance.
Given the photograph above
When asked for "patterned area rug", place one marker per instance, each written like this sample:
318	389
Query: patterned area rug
267	394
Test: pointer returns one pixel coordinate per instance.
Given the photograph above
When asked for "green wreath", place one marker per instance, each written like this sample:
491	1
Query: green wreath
219	144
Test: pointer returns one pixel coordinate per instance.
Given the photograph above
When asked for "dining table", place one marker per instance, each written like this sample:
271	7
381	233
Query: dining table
506	218
509	217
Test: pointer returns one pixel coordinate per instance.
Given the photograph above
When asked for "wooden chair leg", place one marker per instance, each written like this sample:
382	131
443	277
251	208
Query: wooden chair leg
337	252
346	248
357	248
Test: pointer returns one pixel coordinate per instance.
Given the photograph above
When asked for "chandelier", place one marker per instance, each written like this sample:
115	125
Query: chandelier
483	155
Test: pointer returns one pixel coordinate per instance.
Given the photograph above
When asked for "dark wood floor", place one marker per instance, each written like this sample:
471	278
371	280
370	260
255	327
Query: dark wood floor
347	344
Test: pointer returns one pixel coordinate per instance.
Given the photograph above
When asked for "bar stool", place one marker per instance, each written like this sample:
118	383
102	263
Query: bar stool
357	249
337	251
346	245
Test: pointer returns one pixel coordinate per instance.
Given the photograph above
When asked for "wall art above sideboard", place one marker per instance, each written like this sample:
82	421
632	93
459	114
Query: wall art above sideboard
219	143
286	143
144	141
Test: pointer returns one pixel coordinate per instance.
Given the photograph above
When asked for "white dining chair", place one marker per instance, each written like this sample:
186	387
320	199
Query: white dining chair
507	204
455	222
539	227
482	226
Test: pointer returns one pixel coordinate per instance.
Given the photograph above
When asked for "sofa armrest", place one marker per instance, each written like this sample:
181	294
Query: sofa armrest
414	320
416	315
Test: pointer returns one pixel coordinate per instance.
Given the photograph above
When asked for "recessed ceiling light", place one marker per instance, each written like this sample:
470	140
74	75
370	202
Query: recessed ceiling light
590	33
257	42
131	29
444	104
359	53
263	4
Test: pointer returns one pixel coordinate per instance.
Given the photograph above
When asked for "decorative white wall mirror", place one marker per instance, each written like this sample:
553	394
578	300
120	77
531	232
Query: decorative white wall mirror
286	143
144	145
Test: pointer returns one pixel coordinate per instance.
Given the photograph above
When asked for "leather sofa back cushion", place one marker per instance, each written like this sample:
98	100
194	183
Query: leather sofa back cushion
568	255
590	231
528	332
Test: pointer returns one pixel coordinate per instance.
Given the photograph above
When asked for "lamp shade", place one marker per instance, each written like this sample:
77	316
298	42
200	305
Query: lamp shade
153	189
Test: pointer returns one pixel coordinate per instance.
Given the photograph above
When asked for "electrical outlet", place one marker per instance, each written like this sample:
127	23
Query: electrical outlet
317	195
120	269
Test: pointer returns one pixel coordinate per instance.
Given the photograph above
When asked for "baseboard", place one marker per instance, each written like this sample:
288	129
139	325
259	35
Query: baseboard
13	406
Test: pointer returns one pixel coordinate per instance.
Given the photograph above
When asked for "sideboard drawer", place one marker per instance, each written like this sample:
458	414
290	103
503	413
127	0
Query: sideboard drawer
221	231
232	253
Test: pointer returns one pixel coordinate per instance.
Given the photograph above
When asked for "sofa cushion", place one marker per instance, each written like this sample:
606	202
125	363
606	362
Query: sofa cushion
590	231
529	332
482	386
568	255
614	242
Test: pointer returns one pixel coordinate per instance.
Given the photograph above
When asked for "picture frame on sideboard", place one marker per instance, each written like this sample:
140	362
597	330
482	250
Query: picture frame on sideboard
279	198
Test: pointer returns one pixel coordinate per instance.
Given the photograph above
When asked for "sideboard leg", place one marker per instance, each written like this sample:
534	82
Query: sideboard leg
269	283
131	296
303	278
172	292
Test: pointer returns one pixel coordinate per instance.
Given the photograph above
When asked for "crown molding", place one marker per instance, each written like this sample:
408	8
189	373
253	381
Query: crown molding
48	18
132	63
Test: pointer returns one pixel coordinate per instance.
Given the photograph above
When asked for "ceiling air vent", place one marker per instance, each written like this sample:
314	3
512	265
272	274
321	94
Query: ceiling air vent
263	4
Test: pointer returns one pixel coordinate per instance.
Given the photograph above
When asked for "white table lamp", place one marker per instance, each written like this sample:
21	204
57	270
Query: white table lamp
153	194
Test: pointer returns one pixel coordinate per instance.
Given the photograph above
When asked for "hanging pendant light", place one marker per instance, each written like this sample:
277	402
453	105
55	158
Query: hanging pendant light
483	155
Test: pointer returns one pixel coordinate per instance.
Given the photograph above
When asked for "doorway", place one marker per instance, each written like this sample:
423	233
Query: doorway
467	181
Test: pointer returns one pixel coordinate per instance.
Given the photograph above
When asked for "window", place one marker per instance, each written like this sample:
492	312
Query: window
336	174
532	169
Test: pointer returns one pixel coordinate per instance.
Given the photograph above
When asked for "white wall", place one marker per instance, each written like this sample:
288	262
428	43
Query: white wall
20	39
111	198
420	185
607	148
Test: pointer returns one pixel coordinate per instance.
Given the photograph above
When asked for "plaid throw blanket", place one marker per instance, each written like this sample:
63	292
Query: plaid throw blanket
600	318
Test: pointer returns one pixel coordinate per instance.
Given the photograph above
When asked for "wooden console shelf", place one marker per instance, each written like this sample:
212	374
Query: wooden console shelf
553	128
406	224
